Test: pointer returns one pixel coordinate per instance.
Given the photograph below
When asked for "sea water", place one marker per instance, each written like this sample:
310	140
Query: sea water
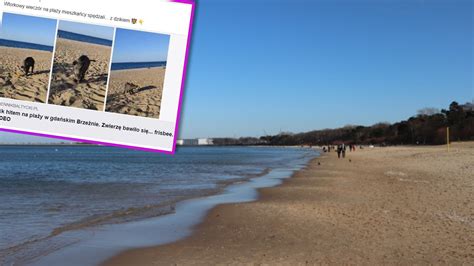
135	65
47	193
83	38
25	45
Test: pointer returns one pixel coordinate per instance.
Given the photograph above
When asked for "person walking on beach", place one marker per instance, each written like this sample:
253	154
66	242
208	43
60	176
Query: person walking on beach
339	150
343	150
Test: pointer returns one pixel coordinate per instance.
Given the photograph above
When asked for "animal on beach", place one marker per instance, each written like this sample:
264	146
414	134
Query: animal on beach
28	64
131	88
81	66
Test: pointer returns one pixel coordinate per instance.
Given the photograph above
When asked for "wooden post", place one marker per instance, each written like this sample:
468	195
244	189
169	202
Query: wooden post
447	137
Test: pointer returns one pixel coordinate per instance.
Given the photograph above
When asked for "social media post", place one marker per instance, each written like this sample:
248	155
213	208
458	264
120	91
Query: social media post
312	132
91	72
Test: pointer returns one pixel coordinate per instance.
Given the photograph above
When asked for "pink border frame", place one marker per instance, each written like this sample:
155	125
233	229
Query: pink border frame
178	117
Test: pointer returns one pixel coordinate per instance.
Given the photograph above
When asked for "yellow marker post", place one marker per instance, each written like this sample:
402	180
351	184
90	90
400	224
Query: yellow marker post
447	137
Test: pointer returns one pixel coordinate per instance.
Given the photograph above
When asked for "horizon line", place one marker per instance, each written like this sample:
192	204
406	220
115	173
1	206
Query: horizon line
85	35
52	46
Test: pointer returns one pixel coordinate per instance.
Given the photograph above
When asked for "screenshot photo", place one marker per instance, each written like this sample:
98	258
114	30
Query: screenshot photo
81	65
26	50
138	73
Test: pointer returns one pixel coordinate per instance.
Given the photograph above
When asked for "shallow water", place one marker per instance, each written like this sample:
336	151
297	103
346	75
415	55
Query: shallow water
57	197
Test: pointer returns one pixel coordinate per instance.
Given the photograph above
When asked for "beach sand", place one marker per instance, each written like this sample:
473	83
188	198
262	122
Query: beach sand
13	82
89	94
142	95
396	205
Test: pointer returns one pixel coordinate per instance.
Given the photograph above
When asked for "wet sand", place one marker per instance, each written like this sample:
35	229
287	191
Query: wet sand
397	205
136	91
89	94
13	82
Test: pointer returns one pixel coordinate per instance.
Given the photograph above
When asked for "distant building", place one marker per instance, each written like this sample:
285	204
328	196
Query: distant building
205	141
195	142
187	142
468	107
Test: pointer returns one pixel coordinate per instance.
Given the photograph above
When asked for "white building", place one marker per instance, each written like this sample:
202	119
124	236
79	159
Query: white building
194	142
187	142
205	141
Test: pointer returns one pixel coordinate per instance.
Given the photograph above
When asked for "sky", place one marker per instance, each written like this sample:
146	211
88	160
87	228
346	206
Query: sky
139	46
87	29
261	67
28	29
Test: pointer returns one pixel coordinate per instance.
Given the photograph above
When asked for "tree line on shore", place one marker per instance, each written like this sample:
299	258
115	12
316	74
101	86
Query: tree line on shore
428	127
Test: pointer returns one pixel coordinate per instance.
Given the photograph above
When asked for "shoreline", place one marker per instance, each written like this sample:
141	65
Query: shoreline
398	205
23	48
137	69
108	240
86	42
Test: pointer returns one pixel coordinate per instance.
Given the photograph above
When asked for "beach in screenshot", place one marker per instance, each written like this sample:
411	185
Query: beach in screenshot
26	45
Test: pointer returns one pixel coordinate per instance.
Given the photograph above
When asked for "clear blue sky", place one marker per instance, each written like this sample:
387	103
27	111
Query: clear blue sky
87	29
139	46
28	29
265	66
